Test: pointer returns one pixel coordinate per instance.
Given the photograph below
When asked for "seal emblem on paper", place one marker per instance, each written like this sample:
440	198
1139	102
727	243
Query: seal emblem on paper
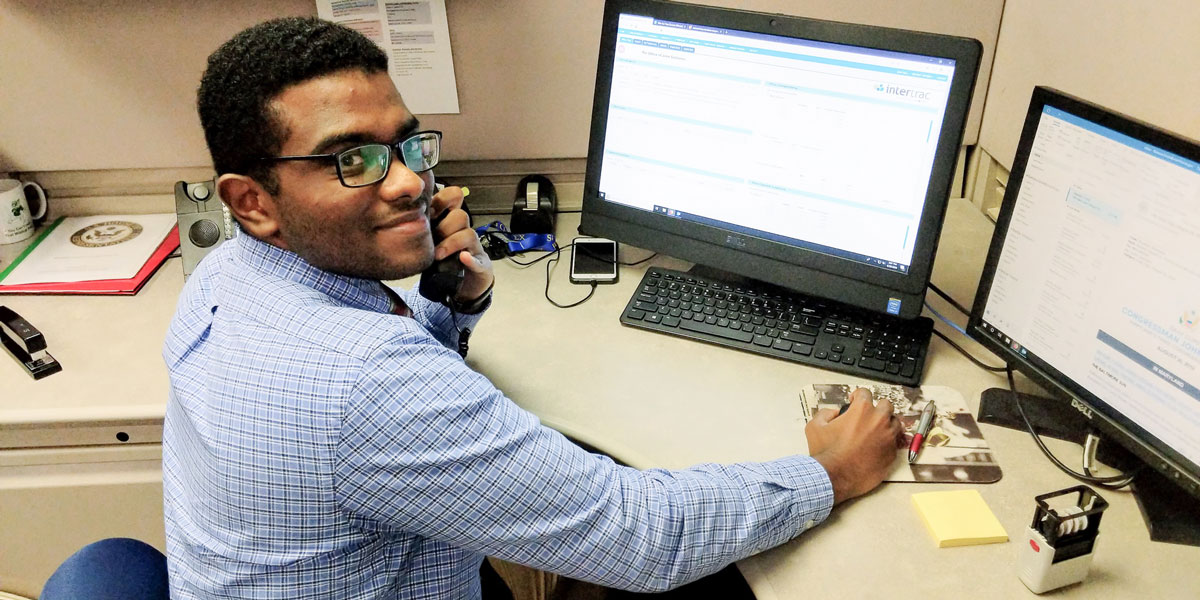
106	233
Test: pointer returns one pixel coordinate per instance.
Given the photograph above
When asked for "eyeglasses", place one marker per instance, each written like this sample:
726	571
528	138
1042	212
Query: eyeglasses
364	165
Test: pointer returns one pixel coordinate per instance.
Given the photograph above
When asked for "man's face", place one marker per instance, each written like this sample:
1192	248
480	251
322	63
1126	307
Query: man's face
380	231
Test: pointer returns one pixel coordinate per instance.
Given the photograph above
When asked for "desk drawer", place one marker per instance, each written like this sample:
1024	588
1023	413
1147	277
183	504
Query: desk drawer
56	500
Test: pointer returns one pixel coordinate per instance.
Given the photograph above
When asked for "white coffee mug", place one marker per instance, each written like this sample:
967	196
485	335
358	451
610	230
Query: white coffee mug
17	217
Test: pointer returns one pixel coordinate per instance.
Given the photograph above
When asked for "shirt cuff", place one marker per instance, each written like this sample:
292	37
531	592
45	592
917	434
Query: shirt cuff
806	476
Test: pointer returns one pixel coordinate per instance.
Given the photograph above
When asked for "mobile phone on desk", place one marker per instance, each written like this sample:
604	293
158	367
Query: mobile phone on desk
594	260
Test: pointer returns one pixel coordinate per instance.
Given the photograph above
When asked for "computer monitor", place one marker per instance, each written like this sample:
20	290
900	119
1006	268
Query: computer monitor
1092	284
812	155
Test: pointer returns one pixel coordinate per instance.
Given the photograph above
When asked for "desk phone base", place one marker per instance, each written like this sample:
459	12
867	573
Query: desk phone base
781	324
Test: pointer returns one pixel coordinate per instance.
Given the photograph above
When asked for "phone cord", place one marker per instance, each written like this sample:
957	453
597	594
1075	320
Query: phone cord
462	342
464	333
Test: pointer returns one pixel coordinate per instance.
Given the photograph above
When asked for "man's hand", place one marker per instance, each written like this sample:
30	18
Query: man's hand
856	448
454	235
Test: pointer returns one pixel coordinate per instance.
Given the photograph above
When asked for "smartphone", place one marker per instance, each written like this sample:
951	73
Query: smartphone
594	260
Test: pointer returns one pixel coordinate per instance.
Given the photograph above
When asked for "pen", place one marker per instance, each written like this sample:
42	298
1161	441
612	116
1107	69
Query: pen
923	426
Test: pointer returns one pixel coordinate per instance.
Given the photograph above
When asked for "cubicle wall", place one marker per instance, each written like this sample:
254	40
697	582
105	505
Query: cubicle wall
1139	58
110	85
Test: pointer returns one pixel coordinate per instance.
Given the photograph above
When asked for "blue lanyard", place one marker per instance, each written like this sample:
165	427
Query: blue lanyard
514	243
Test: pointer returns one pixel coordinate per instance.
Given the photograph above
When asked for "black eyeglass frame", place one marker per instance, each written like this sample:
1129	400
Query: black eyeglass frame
393	150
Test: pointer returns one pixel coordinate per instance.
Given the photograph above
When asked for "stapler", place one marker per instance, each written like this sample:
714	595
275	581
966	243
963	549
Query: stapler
26	344
534	206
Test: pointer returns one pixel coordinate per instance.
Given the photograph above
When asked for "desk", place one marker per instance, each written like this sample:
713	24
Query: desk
647	399
66	479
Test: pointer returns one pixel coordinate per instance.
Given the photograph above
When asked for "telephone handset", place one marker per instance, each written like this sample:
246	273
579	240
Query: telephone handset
441	281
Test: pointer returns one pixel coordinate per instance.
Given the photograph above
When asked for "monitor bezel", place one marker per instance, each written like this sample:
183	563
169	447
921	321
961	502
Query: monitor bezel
795	268
1110	421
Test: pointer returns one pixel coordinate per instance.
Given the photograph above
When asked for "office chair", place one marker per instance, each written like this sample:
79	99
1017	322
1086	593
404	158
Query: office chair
110	569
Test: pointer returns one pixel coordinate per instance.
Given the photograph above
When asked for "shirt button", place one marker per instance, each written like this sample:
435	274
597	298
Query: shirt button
809	524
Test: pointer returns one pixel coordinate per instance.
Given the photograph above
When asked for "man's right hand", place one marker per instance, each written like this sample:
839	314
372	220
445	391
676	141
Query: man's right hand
858	447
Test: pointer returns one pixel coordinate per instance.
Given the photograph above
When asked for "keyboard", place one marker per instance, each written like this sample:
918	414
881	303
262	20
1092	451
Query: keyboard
786	325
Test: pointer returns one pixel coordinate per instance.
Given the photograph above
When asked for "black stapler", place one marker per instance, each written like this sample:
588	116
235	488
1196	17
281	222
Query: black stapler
26	344
534	206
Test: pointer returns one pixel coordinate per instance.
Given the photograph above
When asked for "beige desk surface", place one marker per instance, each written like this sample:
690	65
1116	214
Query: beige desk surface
113	373
649	400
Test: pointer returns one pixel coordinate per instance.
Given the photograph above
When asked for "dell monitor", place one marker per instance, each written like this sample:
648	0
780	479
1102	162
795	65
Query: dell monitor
1092	287
813	157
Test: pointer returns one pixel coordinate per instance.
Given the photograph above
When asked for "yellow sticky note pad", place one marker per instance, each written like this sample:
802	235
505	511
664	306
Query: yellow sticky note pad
959	518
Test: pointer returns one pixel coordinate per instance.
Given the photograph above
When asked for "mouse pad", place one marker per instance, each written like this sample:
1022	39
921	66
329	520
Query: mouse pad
954	451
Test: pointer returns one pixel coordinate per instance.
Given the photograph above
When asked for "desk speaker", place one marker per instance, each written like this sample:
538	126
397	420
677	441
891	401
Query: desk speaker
204	221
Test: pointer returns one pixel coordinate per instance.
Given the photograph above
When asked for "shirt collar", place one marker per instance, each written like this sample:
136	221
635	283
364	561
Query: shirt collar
356	292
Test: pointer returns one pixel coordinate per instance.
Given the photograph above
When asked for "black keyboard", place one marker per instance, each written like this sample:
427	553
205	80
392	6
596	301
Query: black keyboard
780	324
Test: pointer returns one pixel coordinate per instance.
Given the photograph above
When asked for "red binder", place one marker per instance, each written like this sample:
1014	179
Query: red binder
115	287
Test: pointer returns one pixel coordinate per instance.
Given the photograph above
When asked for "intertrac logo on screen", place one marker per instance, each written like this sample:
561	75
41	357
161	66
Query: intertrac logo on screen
903	92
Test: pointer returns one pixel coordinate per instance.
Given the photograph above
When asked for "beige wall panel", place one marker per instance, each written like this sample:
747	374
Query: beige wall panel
1139	58
110	84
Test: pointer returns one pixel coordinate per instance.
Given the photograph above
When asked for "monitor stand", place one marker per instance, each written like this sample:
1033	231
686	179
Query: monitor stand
1170	513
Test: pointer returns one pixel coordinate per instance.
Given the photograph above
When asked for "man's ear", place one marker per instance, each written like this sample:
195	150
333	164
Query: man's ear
254	207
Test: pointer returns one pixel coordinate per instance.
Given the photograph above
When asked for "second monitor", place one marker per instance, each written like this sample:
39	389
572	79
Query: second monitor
809	155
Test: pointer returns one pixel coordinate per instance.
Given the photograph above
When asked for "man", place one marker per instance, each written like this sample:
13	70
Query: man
323	438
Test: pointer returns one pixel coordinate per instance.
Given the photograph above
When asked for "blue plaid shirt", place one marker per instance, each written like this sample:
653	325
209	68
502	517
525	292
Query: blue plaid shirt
318	446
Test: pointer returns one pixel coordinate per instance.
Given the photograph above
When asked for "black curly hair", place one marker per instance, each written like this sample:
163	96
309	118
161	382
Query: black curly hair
246	73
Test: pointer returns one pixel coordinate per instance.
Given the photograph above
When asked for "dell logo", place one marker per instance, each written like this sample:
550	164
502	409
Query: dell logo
735	241
1081	407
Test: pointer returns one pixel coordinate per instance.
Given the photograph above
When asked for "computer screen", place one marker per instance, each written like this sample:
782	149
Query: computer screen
812	155
1092	284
